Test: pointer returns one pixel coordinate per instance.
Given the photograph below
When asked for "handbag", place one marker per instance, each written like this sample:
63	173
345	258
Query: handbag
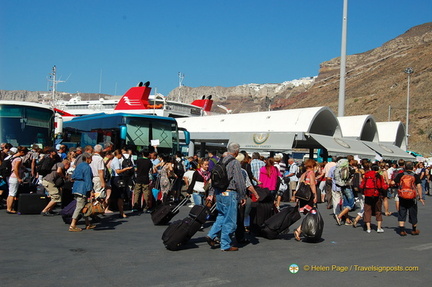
93	208
97	208
304	192
102	194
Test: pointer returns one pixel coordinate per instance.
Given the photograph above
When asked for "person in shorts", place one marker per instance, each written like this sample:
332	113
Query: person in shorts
49	182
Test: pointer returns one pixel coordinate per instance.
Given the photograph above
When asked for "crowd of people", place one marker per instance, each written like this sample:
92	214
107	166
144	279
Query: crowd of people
122	181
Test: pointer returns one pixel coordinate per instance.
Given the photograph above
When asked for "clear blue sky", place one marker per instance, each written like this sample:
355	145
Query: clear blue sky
214	43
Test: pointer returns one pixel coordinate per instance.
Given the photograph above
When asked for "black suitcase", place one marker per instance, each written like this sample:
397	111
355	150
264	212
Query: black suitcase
264	195
66	193
179	233
260	212
163	214
280	222
200	213
27	187
31	203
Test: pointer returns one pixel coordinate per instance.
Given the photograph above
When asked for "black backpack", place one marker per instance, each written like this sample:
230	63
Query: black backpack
45	165
219	177
6	167
127	162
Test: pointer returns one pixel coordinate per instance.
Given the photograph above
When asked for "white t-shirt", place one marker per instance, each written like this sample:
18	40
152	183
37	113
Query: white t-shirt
97	164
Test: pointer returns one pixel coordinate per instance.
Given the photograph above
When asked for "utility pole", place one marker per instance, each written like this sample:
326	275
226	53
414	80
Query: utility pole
408	71
341	104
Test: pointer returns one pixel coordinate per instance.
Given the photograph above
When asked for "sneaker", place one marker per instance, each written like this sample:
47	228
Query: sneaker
380	230
338	220
368	231
416	232
191	205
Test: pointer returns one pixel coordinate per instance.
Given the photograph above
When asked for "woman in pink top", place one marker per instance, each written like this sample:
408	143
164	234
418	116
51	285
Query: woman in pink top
269	176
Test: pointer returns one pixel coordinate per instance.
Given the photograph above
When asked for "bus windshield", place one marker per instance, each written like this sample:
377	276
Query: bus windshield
140	132
23	125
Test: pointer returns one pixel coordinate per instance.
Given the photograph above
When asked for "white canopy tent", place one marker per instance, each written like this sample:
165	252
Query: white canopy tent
284	130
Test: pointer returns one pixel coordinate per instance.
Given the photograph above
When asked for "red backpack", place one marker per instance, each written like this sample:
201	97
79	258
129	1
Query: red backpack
407	186
371	183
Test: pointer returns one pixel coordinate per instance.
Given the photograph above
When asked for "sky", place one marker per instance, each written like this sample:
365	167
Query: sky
107	46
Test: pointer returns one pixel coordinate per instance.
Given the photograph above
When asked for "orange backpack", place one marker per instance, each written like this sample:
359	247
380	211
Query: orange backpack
407	186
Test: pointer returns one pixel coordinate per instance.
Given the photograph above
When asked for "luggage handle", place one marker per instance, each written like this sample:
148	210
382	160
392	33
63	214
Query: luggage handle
213	208
181	203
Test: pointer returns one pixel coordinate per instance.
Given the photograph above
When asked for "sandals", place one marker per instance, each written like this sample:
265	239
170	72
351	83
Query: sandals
74	229
297	235
388	213
91	226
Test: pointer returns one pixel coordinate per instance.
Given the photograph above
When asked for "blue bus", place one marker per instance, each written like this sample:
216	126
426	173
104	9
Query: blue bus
139	132
25	124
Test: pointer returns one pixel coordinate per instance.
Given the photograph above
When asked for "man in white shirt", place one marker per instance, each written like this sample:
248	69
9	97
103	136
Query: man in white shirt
98	169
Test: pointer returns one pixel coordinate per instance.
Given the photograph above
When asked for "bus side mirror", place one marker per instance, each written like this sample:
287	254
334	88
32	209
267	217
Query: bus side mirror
187	136
123	132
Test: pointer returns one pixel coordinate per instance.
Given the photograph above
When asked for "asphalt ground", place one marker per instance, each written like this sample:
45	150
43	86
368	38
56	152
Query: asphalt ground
39	251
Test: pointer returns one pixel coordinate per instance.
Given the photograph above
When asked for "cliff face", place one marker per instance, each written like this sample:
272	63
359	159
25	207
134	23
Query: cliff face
376	84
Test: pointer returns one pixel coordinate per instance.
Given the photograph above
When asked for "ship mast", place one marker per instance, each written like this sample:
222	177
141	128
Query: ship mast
53	79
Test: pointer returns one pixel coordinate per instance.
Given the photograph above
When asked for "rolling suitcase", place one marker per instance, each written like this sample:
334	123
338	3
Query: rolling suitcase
68	211
200	213
163	214
31	203
260	212
180	232
280	222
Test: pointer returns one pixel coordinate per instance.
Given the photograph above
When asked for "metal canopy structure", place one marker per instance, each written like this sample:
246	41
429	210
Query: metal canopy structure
285	130
343	146
277	141
370	133
392	133
389	151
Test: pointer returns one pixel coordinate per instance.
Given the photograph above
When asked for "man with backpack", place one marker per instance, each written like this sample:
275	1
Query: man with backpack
228	185
409	189
341	175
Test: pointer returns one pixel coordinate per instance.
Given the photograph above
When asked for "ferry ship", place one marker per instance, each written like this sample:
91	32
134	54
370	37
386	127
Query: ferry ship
136	100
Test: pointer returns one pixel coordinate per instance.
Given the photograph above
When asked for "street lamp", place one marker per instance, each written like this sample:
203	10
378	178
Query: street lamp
408	71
